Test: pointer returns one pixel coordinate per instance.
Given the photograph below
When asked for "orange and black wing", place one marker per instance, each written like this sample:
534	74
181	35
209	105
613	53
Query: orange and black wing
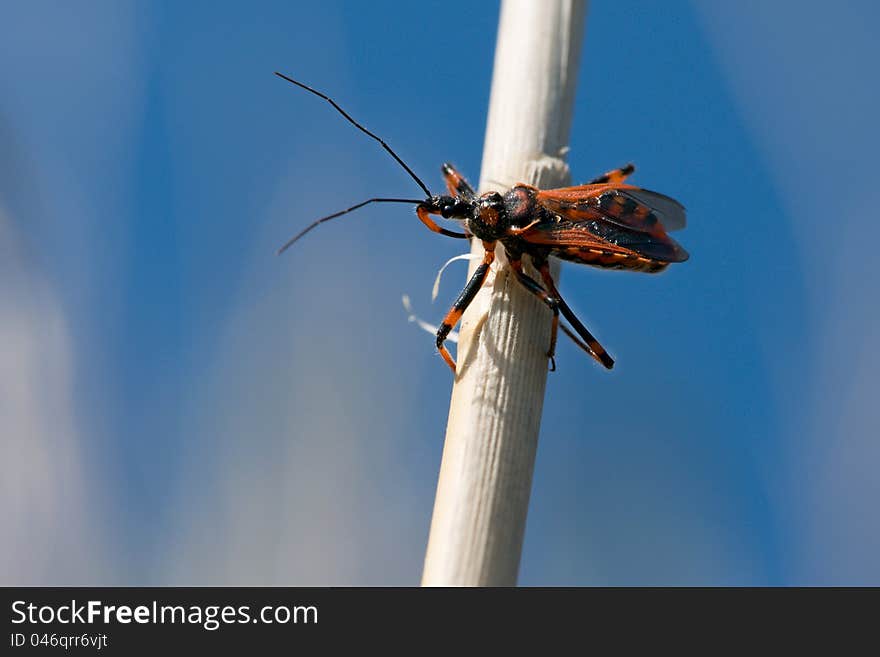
630	206
578	243
617	217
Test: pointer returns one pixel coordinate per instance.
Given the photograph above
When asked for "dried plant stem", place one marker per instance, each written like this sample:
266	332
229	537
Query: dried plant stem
491	438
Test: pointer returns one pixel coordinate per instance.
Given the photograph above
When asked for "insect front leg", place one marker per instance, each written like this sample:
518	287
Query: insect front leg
535	288
456	183
464	300
425	218
596	350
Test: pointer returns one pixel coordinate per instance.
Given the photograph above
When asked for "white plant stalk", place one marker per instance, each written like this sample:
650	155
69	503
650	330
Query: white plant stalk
485	478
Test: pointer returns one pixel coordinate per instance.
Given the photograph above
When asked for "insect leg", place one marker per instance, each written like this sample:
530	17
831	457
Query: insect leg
614	176
535	288
597	351
425	218
464	300
574	338
456	184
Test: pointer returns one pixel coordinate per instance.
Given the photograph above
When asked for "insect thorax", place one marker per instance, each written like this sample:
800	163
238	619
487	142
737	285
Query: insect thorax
494	214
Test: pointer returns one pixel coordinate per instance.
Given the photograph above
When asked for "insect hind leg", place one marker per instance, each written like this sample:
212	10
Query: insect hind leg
596	350
552	302
614	176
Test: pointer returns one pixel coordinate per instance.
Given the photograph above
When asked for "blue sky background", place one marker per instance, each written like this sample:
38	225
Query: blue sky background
179	406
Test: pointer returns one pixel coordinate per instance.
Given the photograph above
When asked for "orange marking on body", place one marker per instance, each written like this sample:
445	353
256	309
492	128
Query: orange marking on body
519	231
489	216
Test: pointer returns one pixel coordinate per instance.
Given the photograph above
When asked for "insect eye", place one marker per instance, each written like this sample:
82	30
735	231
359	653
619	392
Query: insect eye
446	211
492	200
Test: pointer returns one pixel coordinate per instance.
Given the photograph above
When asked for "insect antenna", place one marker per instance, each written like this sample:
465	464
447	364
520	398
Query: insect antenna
317	222
359	127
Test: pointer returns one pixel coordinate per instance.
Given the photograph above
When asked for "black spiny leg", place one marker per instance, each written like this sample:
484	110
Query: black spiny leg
535	288
464	300
596	350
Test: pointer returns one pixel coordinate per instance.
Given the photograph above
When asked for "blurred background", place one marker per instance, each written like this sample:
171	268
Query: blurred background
180	406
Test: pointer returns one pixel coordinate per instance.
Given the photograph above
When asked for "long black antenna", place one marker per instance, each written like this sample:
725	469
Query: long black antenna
293	239
359	127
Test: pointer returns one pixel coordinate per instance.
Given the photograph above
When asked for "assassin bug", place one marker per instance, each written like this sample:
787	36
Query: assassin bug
604	223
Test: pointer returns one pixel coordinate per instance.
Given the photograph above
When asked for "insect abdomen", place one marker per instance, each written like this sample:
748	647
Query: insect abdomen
606	259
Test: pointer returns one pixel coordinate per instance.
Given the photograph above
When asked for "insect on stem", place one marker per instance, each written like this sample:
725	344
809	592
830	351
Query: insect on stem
604	223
